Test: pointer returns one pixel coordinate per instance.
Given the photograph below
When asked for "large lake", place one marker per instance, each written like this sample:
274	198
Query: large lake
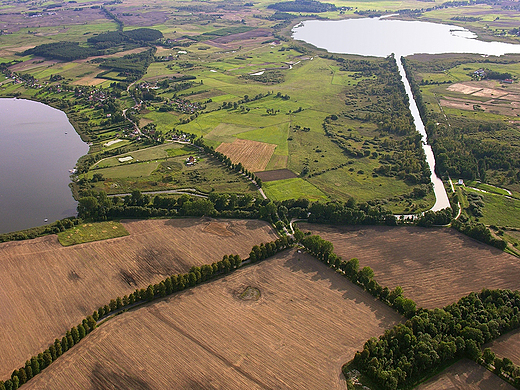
38	147
380	37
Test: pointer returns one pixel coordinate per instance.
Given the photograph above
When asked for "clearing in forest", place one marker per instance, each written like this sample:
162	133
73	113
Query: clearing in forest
253	155
435	267
287	322
46	288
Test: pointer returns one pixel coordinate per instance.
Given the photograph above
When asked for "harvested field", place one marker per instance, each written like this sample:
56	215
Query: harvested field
507	346
259	32
435	267
278	174
296	333
253	155
12	22
46	288
465	375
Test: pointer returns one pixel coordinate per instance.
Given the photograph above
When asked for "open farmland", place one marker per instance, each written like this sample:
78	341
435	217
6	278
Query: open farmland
253	155
465	375
299	328
46	288
435	267
507	346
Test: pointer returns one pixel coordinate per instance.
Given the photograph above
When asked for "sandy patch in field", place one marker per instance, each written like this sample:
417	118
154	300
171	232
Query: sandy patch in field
435	267
463	88
91	80
45	288
465	375
488	92
303	323
253	155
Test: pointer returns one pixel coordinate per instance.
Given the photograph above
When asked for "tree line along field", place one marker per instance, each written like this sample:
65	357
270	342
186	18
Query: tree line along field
47	288
435	267
298	329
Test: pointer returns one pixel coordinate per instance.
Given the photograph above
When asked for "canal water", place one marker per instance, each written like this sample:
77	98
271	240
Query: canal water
380	37
38	147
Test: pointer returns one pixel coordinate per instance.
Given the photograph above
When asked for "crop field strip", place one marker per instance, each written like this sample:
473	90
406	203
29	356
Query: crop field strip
253	155
507	346
47	288
435	267
306	322
465	375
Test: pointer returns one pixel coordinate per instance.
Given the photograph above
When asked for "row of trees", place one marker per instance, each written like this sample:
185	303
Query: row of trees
168	286
38	363
414	350
227	161
324	251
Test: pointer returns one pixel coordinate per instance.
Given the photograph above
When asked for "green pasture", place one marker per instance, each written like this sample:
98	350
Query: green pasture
487	187
166	169
499	210
150	154
89	232
292	189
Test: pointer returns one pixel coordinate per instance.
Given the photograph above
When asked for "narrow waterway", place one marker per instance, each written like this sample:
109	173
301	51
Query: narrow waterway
380	37
441	197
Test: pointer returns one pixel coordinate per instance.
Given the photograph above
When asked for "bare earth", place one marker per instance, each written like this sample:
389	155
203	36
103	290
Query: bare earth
507	346
435	267
253	155
278	174
465	375
45	288
307	322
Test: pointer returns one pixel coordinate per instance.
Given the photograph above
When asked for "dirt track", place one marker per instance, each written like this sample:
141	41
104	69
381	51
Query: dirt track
307	322
435	267
45	288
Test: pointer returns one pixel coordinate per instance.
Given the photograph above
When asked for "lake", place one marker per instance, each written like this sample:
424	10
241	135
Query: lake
380	37
38	147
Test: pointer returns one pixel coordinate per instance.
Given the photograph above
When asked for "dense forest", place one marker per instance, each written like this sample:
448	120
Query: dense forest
114	38
66	51
70	51
411	351
302	6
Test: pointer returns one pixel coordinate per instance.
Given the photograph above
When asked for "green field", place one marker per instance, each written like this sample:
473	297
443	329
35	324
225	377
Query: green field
89	232
292	189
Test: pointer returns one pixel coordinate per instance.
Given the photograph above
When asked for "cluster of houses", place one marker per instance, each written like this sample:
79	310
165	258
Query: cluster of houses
191	161
92	95
481	74
187	107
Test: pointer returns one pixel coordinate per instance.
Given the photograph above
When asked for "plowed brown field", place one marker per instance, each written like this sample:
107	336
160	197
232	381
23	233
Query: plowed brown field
465	375
306	322
45	288
507	346
435	267
253	155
